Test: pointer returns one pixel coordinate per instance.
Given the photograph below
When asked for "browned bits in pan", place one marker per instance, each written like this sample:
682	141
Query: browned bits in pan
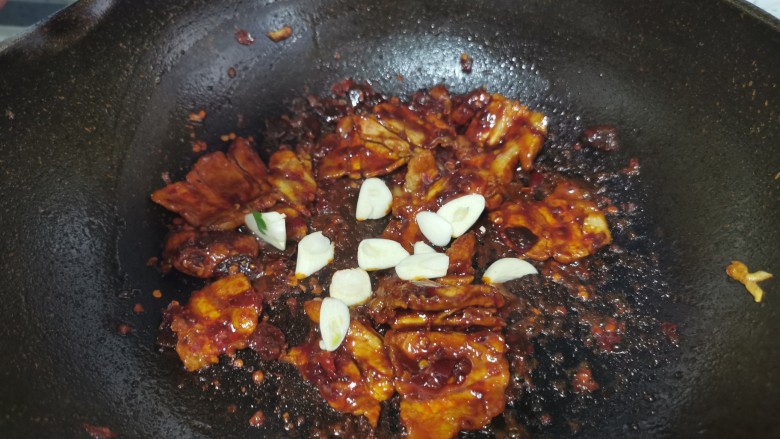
257	419
244	37
98	432
280	34
123	328
198	117
452	347
739	272
466	63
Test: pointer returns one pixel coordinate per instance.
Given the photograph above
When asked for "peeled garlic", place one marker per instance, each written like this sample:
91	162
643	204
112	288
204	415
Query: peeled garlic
378	254
435	228
424	266
506	269
374	200
420	248
334	323
269	226
314	252
462	212
351	286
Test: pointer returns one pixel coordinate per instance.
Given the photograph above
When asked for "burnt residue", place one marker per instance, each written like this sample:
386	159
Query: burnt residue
578	335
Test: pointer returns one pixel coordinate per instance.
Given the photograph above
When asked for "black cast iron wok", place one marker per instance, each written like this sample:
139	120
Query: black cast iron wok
92	110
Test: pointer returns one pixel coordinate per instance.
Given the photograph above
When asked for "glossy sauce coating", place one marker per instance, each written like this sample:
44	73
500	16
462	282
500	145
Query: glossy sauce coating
457	352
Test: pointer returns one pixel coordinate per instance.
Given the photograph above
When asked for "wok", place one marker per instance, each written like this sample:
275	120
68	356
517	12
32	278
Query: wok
93	105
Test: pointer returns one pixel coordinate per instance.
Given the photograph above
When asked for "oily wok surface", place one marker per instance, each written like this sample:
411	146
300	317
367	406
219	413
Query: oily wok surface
94	104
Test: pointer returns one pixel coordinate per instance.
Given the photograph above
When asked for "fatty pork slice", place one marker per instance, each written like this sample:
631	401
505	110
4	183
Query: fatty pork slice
217	188
207	254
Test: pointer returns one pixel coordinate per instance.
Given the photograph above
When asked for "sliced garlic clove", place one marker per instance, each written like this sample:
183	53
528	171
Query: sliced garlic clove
435	228
421	248
463	212
314	252
424	266
351	286
378	254
269	226
334	323
506	269
374	200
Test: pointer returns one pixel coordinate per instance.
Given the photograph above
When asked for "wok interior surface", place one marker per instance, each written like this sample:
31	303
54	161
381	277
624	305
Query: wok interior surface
96	101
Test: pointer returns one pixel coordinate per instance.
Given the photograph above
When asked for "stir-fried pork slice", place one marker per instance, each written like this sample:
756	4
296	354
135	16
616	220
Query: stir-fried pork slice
199	253
221	188
198	205
394	295
362	147
218	319
448	381
225	178
243	154
461	319
290	173
461	253
507	122
568	225
421	131
356	377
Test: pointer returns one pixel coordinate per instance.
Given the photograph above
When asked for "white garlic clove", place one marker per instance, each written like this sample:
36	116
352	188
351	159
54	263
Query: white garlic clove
269	226
421	248
506	269
463	212
378	254
435	228
351	286
334	323
314	252
424	266
374	200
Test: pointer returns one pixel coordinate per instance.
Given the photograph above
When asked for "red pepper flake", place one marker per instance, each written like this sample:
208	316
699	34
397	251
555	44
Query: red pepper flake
231	408
280	34
97	432
466	63
258	376
245	38
607	334
138	308
199	146
257	419
123	328
292	305
670	331
583	381
535	180
632	168
198	117
231	72
151	262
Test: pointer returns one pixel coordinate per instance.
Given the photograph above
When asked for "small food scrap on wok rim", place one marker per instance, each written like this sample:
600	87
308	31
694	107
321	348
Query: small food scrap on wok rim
449	352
